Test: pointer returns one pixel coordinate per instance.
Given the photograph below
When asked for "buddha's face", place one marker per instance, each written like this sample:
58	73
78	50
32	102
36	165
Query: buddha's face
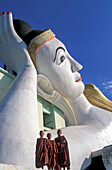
53	61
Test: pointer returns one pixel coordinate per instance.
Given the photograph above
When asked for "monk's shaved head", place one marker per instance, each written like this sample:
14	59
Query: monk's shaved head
59	132
41	133
49	135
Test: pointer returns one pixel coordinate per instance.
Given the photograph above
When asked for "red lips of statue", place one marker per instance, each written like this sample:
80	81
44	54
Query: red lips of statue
78	79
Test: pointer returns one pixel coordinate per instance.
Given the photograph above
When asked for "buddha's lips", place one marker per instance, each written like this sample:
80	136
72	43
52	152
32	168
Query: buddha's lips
78	79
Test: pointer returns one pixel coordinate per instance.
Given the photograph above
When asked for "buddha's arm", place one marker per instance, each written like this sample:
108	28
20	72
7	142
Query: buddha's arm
18	108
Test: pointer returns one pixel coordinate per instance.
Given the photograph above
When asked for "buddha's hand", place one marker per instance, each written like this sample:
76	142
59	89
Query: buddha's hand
13	50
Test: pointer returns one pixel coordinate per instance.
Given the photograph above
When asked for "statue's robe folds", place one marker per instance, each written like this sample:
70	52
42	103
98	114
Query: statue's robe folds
42	152
53	155
63	152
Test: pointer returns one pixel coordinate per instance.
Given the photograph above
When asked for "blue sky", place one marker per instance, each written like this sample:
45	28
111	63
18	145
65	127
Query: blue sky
84	26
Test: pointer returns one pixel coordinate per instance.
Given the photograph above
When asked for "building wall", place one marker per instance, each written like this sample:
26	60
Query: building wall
59	118
6	80
50	117
40	115
54	117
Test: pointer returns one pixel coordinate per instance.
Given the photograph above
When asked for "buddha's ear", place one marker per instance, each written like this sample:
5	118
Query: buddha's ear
44	86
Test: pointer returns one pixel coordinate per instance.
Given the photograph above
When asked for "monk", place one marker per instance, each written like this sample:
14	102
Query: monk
52	154
63	155
41	151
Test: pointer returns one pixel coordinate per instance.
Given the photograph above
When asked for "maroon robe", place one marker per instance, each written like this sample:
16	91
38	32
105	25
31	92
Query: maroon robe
41	152
52	154
63	155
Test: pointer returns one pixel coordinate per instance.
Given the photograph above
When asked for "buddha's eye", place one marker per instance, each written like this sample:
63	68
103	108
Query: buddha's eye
62	59
60	55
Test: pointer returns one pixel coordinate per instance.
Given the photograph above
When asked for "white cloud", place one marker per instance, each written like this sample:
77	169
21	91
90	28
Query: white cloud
107	83
106	88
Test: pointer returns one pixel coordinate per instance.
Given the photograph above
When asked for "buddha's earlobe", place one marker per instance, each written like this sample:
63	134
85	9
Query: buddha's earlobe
45	87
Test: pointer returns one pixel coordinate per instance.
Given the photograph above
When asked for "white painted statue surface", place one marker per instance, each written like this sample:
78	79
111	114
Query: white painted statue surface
18	109
57	76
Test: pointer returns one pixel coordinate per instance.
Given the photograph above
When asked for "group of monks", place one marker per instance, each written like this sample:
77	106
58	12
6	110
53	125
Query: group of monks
52	153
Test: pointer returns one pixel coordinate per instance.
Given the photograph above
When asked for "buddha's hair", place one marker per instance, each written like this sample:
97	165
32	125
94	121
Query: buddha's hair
25	31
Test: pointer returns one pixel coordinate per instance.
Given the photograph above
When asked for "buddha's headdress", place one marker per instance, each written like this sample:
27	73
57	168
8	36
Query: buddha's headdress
33	38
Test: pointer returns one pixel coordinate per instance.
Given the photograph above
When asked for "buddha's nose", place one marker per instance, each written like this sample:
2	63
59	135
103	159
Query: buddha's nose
75	66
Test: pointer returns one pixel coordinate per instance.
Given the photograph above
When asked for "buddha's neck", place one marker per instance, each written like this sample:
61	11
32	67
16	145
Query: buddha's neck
81	108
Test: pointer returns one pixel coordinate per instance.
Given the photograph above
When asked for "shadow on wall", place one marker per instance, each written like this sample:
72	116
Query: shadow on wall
96	164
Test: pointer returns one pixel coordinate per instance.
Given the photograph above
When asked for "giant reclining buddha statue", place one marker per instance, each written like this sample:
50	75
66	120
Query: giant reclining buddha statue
43	64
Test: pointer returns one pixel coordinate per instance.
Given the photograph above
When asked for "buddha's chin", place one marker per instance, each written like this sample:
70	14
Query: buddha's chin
78	91
74	92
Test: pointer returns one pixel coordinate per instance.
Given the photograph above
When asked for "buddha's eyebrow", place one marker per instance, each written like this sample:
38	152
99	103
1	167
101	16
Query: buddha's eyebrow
57	51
